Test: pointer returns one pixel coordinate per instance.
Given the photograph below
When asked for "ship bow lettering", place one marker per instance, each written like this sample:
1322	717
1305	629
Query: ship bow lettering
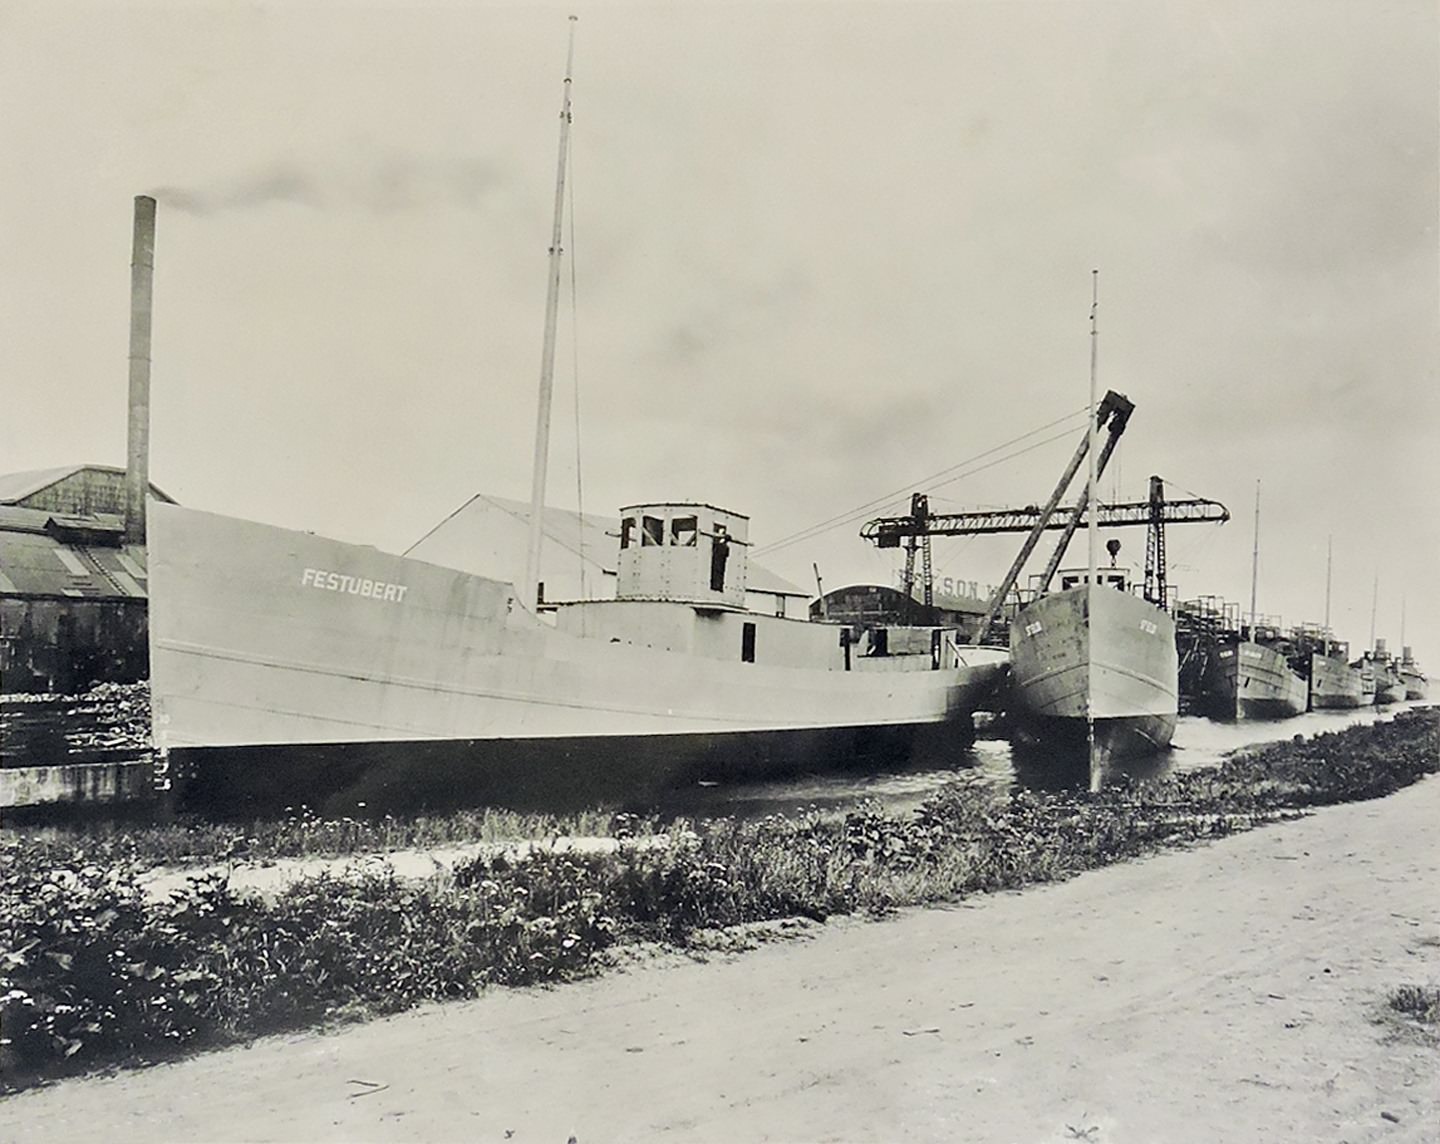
353	585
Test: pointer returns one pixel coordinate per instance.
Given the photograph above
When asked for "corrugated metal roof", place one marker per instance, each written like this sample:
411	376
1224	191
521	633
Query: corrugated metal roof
17	486
34	563
15	519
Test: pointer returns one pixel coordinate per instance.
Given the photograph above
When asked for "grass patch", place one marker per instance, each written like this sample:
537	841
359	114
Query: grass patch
193	841
1421	1002
92	972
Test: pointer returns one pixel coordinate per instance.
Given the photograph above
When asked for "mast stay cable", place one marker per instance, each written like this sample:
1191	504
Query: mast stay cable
943	477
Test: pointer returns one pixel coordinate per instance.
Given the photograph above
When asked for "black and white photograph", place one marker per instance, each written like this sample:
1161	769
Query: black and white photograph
738	570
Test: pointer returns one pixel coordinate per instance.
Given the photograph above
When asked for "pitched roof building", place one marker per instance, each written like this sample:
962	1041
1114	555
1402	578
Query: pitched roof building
72	593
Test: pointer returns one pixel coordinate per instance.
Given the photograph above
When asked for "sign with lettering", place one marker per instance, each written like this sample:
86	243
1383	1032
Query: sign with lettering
953	586
353	585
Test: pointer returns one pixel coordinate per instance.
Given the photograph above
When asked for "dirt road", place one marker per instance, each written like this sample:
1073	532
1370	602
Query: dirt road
1232	992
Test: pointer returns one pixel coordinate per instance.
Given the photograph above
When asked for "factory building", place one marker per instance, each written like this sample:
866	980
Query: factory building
488	536
72	589
877	605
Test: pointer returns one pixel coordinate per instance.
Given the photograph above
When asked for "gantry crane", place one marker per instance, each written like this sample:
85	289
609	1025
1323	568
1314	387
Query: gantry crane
1112	414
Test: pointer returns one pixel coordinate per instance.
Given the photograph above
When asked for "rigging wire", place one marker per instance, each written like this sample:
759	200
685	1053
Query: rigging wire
950	475
865	510
441	525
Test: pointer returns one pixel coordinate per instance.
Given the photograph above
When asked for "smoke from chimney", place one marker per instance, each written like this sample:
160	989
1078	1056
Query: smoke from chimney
137	442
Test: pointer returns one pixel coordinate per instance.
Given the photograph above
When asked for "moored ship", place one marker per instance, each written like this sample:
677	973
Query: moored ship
1364	667
1252	679
289	668
1417	684
1093	663
1096	652
1334	683
1250	675
1389	684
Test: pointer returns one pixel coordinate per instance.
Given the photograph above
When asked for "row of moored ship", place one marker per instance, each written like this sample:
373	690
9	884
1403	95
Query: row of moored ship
1232	670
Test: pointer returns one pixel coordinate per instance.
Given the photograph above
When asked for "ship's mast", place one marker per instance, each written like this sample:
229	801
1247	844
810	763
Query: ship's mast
1091	514
531	587
1255	561
1092	517
1329	560
1374	604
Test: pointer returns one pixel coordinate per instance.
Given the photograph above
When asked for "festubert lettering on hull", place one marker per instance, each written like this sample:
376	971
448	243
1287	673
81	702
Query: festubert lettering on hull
353	585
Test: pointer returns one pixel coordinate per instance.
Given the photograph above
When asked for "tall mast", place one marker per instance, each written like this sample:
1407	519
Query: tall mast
1329	559
1092	516
531	587
1092	521
1374	603
1255	561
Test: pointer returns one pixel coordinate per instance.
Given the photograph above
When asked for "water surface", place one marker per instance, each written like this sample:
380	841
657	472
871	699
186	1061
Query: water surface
1198	742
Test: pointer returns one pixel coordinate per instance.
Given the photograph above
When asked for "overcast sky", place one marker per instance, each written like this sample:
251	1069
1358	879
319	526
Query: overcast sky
822	251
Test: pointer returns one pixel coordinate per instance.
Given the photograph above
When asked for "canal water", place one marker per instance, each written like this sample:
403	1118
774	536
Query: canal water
1198	742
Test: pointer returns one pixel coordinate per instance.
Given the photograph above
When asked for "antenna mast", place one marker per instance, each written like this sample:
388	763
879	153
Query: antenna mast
531	587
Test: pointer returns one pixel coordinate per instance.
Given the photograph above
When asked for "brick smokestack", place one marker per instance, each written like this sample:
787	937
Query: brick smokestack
137	452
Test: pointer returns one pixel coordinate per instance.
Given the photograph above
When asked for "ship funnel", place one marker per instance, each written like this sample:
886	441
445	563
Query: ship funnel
1406	654
137	441
1379	649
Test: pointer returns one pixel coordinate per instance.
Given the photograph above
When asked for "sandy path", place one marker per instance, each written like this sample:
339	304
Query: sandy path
1226	993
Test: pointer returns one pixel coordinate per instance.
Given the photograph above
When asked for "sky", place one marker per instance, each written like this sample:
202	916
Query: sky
817	253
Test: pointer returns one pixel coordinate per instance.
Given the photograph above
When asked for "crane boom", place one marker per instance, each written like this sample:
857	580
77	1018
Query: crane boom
1113	412
887	532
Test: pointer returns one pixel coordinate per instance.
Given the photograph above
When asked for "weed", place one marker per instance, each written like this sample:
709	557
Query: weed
1421	1002
92	972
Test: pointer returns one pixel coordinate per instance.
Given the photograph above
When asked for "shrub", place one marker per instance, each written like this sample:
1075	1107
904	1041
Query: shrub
92	971
1419	1001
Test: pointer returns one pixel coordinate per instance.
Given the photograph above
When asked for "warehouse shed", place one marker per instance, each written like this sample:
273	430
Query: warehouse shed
72	591
878	605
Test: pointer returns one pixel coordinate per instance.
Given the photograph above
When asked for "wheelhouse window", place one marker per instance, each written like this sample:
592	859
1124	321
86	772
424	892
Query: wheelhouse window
627	532
683	531
652	531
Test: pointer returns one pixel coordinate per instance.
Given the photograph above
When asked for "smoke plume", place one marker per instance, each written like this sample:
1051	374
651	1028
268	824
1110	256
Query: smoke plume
393	184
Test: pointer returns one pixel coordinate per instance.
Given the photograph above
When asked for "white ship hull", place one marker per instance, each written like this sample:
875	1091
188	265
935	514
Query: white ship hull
263	639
